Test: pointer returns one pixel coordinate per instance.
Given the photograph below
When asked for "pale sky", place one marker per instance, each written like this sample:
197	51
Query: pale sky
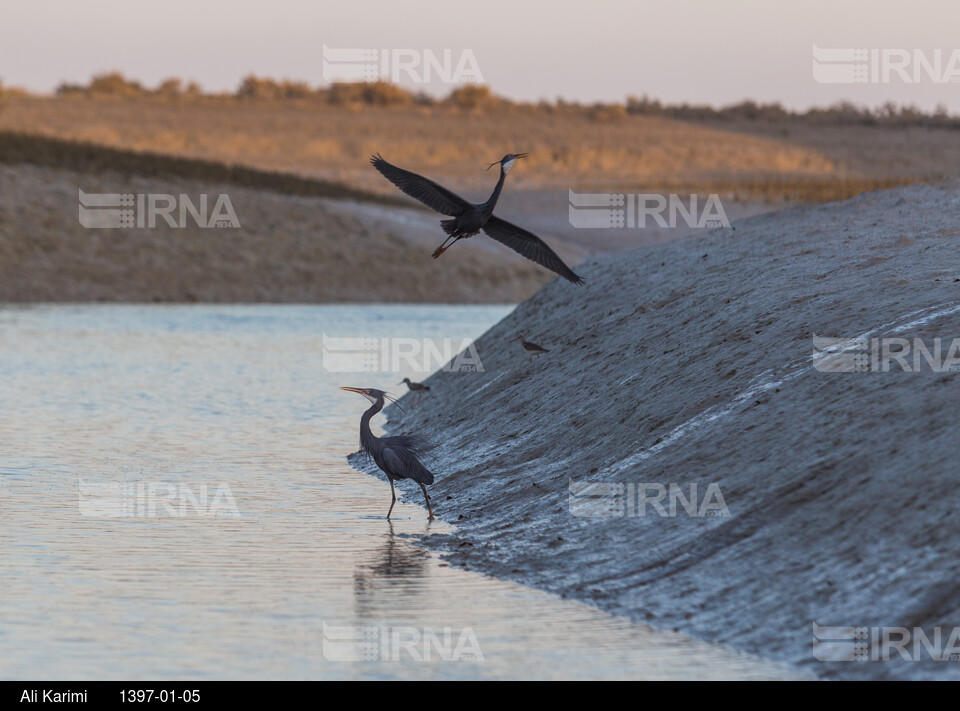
603	50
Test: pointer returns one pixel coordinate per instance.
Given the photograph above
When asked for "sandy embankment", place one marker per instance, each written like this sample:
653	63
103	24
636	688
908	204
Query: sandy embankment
691	362
289	248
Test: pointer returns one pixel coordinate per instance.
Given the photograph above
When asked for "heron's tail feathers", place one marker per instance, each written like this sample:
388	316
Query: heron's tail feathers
449	226
420	473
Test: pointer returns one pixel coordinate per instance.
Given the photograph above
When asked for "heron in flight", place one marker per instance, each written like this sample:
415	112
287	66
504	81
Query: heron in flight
396	456
467	219
532	348
418	389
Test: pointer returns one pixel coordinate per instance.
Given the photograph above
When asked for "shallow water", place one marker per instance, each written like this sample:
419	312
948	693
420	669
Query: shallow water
175	502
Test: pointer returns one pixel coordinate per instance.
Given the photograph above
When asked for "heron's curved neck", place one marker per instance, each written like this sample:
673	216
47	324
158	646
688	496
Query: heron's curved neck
492	200
367	438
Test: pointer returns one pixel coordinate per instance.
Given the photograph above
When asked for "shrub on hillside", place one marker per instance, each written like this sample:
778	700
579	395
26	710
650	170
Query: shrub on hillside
114	84
473	96
378	93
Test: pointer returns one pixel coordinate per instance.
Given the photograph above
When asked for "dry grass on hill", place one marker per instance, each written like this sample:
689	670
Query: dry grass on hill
570	149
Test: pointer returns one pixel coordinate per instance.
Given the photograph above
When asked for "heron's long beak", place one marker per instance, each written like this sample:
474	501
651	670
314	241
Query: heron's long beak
516	156
354	390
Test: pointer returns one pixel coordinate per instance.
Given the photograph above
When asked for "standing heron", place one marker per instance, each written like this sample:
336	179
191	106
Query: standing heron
396	456
418	389
468	219
532	348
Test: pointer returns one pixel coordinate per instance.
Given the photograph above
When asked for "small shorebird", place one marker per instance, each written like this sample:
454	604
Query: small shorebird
532	348
467	219
418	389
396	456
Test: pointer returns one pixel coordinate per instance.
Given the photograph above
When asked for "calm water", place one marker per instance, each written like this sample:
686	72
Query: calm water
175	503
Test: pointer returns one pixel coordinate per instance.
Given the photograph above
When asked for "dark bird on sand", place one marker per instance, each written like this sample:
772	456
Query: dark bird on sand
418	389
396	456
468	219
532	348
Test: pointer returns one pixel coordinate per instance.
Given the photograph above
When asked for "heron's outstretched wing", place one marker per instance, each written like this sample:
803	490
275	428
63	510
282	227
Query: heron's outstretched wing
405	464
530	246
434	196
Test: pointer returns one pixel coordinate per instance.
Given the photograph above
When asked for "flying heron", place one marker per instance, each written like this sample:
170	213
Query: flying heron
396	456
532	348
468	219
418	389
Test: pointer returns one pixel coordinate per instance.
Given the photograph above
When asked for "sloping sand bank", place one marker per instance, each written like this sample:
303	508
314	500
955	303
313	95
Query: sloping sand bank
690	362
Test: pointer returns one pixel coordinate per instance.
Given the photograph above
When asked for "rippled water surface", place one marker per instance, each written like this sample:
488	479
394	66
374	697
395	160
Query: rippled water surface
175	502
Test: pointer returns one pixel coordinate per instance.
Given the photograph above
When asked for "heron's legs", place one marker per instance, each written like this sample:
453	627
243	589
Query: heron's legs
444	247
427	499
449	237
393	493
